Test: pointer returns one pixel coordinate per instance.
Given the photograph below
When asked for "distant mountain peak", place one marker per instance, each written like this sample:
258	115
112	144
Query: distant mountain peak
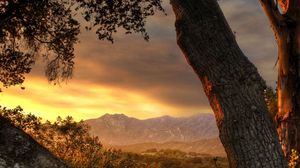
165	116
119	129
116	115
120	115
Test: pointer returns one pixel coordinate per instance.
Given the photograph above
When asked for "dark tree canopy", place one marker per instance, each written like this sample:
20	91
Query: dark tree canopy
49	28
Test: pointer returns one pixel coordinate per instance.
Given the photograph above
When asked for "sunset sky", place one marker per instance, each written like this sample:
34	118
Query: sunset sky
141	79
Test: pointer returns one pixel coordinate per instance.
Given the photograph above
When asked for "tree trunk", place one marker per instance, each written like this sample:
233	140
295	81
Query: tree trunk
231	82
17	149
286	27
288	117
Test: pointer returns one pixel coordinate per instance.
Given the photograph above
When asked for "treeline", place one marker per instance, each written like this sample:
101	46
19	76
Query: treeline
70	141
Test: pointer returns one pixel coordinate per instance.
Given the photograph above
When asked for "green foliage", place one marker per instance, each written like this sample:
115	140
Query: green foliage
271	100
30	28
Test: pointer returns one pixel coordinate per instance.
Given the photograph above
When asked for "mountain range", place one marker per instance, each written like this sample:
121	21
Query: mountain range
119	129
197	133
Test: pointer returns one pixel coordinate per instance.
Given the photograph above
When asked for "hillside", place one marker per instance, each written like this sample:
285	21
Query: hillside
118	129
206	146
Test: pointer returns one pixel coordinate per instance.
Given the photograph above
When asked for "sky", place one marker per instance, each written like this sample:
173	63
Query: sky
138	78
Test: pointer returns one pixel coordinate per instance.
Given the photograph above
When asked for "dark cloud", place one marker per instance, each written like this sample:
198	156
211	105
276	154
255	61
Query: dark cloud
158	69
254	35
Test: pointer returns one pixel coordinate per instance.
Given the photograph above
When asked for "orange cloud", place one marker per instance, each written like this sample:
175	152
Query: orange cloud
84	100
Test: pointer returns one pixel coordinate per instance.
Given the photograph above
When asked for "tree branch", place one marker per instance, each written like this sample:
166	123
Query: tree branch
273	14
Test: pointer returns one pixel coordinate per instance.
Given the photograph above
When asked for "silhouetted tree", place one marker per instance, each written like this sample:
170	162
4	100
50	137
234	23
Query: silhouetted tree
31	28
48	28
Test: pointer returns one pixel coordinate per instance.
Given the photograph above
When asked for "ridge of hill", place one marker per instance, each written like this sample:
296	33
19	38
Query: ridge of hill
119	129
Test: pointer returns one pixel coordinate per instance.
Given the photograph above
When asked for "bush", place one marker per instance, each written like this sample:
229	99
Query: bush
65	138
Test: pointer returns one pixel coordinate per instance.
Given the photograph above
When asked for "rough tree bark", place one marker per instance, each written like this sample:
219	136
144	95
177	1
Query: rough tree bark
231	82
286	27
17	149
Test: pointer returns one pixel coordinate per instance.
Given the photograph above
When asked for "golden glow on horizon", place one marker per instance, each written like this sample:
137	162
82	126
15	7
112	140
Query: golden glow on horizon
84	100
129	81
